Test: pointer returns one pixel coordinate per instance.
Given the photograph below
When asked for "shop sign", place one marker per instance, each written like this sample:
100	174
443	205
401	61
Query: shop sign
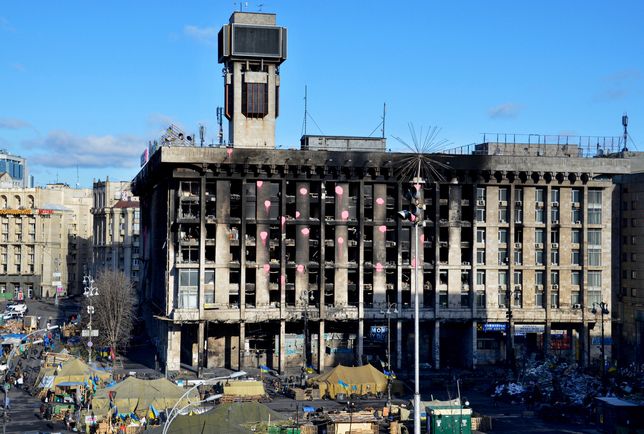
45	211
494	327
521	329
597	340
15	211
378	333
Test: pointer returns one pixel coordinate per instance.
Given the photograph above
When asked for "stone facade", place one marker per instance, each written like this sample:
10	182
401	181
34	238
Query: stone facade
45	238
290	257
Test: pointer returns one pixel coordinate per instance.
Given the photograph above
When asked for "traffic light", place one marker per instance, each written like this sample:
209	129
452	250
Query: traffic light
415	209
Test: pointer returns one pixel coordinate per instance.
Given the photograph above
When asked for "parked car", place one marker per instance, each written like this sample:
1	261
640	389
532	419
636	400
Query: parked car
12	315
17	307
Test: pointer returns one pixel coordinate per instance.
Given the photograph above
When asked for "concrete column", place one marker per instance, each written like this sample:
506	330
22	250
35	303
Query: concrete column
262	243
321	347
360	340
302	206
341	294
584	345
242	344
201	359
222	244
436	346
173	355
379	252
547	338
455	285
282	348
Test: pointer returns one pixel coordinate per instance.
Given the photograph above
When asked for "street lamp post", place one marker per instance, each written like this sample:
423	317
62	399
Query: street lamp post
415	216
391	309
90	291
603	309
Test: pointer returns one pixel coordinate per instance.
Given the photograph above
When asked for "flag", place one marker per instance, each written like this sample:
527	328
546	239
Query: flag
308	409
342	383
389	374
309	370
265	368
152	412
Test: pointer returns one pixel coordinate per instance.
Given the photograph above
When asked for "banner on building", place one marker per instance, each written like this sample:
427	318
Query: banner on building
494	327
522	329
378	333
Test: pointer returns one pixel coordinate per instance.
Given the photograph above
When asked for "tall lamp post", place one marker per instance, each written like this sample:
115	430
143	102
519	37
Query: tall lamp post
90	291
414	214
391	310
603	309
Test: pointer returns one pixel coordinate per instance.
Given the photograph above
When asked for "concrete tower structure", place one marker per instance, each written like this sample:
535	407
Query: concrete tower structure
251	48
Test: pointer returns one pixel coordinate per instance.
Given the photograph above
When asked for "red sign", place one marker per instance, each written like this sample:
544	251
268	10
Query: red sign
45	211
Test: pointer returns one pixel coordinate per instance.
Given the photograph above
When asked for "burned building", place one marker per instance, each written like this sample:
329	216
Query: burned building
258	256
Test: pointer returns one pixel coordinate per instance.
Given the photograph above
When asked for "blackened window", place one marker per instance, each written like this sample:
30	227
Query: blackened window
255	100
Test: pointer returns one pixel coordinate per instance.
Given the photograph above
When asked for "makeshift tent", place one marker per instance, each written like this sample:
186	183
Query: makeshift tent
77	371
244	388
359	380
230	418
133	395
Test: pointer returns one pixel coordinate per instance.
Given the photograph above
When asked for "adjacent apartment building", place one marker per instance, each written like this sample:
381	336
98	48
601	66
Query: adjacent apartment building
116	217
45	240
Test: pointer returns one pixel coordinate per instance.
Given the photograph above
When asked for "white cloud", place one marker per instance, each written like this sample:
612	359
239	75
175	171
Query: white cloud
63	149
18	67
162	121
506	110
206	35
5	25
13	124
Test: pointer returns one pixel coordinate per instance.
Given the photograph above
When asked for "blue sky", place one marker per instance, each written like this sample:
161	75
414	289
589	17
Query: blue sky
84	85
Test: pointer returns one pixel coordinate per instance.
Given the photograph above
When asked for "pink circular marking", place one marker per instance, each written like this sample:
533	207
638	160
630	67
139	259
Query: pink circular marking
260	183
380	201
378	267
263	235
283	220
340	240
305	231
382	229
229	151
283	279
297	214
267	204
413	262
300	268
339	190
267	268
303	191
345	215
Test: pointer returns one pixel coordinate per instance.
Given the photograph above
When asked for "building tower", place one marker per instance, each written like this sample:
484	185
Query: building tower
251	48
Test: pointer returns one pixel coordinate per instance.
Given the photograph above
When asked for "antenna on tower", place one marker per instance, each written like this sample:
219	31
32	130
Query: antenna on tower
220	121
625	125
202	134
77	180
384	116
306	112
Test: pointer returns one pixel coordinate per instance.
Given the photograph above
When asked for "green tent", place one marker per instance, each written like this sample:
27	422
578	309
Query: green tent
229	418
133	395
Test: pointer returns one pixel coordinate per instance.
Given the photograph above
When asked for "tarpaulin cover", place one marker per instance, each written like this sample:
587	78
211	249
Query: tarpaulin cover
244	388
230	418
77	371
358	380
133	395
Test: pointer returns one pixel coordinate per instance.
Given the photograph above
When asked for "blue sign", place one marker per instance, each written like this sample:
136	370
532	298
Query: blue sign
597	340
495	327
378	333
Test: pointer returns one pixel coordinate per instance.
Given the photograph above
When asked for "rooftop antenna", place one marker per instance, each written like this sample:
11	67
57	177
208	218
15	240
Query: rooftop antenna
77	180
625	124
384	116
220	121
202	133
306	113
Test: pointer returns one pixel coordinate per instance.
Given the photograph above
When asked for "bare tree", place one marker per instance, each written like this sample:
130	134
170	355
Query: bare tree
113	309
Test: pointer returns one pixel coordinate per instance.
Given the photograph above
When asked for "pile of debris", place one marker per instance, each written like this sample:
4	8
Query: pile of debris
550	381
